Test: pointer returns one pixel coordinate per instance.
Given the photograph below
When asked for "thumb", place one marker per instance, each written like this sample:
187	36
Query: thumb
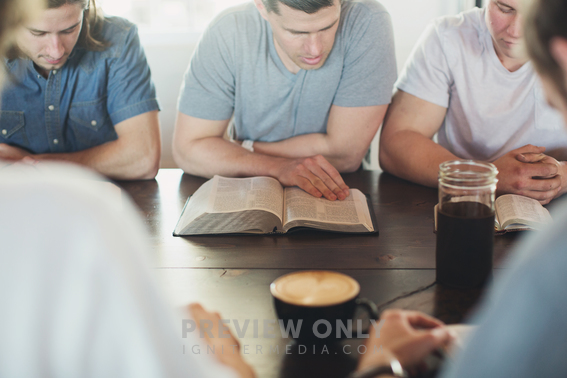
423	345
530	157
530	149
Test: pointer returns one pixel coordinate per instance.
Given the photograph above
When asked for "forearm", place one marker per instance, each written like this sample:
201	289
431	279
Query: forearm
115	159
210	156
344	156
200	149
413	156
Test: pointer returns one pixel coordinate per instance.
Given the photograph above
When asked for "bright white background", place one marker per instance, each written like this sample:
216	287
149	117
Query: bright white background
170	30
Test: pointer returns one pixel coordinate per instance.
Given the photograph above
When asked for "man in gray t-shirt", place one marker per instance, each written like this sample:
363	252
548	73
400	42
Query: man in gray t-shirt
306	85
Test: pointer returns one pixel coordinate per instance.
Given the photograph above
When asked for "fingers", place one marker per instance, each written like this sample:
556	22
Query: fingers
529	149
196	311
530	157
546	167
423	321
542	190
326	178
332	172
421	345
412	335
413	319
317	177
213	333
307	185
202	316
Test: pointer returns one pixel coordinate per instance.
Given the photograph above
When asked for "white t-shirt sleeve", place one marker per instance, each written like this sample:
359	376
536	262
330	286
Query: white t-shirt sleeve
426	74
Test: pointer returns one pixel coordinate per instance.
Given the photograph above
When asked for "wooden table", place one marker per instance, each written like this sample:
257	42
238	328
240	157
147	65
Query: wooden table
231	274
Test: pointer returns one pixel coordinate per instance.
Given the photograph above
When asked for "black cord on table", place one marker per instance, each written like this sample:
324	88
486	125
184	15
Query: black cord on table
406	295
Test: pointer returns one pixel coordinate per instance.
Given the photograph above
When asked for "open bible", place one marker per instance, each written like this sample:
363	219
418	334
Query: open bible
515	213
261	205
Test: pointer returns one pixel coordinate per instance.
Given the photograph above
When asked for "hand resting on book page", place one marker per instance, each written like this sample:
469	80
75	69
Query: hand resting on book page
315	175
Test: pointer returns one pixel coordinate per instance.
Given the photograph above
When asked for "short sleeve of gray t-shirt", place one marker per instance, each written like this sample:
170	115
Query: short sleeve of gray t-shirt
236	71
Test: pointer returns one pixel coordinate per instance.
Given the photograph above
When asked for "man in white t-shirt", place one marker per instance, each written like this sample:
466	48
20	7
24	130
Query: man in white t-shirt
467	82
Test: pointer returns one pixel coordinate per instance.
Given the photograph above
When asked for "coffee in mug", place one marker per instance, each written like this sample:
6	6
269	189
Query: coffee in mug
319	304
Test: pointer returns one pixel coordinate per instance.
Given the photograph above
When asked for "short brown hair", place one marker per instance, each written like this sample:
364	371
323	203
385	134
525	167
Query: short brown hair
545	20
93	21
307	6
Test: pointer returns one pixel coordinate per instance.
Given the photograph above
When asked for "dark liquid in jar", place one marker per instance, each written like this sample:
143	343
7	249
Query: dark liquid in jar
465	238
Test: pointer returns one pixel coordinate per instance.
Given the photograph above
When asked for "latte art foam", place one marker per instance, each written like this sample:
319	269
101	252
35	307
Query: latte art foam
315	288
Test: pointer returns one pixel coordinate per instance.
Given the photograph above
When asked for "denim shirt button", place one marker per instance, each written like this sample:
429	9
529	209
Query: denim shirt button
4	132
55	141
51	107
54	72
93	122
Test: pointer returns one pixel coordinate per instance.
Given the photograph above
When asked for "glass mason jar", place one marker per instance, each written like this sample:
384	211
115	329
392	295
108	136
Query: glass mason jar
465	223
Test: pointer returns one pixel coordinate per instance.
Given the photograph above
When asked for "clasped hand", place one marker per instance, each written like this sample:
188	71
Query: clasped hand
407	335
529	172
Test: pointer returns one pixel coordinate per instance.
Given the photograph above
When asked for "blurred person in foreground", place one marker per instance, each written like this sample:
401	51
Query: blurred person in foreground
522	330
80	90
77	294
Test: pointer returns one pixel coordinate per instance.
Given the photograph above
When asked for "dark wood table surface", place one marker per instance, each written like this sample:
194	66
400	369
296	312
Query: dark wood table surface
232	274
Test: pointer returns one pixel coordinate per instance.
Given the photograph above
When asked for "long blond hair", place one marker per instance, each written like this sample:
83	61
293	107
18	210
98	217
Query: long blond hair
12	14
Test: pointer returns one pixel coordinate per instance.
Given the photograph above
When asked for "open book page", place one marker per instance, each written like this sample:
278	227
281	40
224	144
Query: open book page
199	203
228	205
255	193
300	205
515	209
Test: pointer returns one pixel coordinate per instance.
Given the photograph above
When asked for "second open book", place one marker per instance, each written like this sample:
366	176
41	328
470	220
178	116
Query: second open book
516	213
261	205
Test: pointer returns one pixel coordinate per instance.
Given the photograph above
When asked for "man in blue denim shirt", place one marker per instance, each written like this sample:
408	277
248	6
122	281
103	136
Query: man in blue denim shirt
81	91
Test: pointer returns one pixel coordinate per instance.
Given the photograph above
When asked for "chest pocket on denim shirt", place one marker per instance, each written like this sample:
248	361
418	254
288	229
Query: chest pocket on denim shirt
12	128
91	124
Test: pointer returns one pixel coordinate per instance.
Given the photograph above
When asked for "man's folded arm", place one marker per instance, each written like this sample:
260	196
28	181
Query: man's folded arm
349	133
408	151
406	146
200	149
134	155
